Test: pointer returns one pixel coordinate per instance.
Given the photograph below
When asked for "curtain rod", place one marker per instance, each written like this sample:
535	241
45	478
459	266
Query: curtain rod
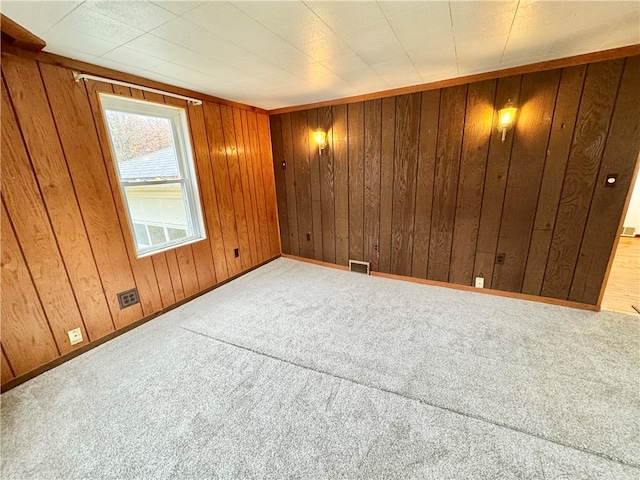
83	76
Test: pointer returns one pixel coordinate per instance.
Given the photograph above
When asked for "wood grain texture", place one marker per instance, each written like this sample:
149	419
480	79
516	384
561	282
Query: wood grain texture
264	137
429	115
290	182
564	120
6	374
475	149
355	154
34	233
386	181
250	160
163	275
341	183
32	110
300	134
315	160
26	337
594	115
452	195
372	154
268	215
495	185
405	167
450	131
279	172
74	119
242	149
327	191
621	156
142	269
217	152
531	136
235	178
19	36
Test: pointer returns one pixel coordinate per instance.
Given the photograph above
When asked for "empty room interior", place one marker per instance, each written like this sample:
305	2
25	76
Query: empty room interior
320	240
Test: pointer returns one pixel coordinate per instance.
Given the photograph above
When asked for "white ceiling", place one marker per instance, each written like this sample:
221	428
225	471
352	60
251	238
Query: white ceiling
276	54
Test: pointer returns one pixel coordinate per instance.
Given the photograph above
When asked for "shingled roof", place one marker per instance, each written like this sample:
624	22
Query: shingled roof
159	165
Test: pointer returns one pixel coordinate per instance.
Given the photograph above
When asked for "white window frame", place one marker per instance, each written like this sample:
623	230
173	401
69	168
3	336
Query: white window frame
186	165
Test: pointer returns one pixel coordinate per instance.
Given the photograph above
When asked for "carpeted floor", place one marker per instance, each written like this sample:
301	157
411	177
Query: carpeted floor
300	371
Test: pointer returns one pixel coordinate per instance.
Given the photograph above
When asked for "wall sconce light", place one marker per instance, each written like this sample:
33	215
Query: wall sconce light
506	118
320	136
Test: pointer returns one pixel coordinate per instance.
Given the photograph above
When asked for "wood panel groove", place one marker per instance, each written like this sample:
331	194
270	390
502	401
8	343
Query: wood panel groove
448	200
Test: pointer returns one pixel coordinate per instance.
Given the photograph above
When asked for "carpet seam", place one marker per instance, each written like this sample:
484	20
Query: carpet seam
421	401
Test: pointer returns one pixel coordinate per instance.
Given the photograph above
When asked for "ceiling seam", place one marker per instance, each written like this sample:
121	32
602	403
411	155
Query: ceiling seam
513	20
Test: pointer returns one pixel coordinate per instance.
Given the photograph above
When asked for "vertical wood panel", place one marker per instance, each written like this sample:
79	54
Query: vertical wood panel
495	184
341	183
429	113
207	198
74	119
220	172
315	159
33	231
355	154
164	279
620	156
564	120
281	186
405	169
290	182
300	133
325	121
594	115
372	153
6	373
242	151
386	181
36	123
473	163
175	275
264	139
450	130
236	186
531	136
26	337
252	159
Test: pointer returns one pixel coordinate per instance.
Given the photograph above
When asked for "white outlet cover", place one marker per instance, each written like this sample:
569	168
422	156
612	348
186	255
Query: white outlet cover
75	336
479	282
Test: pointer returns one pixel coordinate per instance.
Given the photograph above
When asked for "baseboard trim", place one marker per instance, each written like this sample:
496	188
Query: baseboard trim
453	286
89	346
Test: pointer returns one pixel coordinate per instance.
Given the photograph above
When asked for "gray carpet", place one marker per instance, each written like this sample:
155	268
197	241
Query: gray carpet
300	371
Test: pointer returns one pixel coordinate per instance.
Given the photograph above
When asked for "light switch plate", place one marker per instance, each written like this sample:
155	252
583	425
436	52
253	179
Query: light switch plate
75	336
479	282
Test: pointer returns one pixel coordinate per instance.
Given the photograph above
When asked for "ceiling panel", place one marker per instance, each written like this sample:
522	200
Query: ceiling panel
276	54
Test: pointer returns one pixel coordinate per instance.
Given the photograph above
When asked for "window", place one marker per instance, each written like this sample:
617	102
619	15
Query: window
152	152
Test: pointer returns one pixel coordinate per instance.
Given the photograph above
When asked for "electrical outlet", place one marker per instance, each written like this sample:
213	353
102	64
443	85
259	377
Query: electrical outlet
308	237
376	248
236	252
479	282
500	258
75	336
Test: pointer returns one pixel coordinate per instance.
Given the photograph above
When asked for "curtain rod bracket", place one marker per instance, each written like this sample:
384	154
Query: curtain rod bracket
84	76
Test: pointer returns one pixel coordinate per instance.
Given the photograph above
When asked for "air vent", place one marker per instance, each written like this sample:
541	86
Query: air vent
128	298
359	267
628	231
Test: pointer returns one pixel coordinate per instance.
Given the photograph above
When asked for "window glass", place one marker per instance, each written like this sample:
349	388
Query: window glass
150	145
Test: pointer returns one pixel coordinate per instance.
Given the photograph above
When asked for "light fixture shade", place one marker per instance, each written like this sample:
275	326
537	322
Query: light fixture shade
320	136
506	118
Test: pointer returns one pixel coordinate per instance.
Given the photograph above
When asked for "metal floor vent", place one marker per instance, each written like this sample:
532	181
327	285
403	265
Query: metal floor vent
628	232
359	267
128	298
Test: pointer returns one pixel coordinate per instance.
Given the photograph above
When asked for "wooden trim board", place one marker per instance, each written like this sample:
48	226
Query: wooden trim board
19	36
89	346
611	54
466	288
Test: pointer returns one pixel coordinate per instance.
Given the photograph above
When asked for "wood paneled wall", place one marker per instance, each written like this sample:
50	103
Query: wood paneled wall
66	245
421	185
